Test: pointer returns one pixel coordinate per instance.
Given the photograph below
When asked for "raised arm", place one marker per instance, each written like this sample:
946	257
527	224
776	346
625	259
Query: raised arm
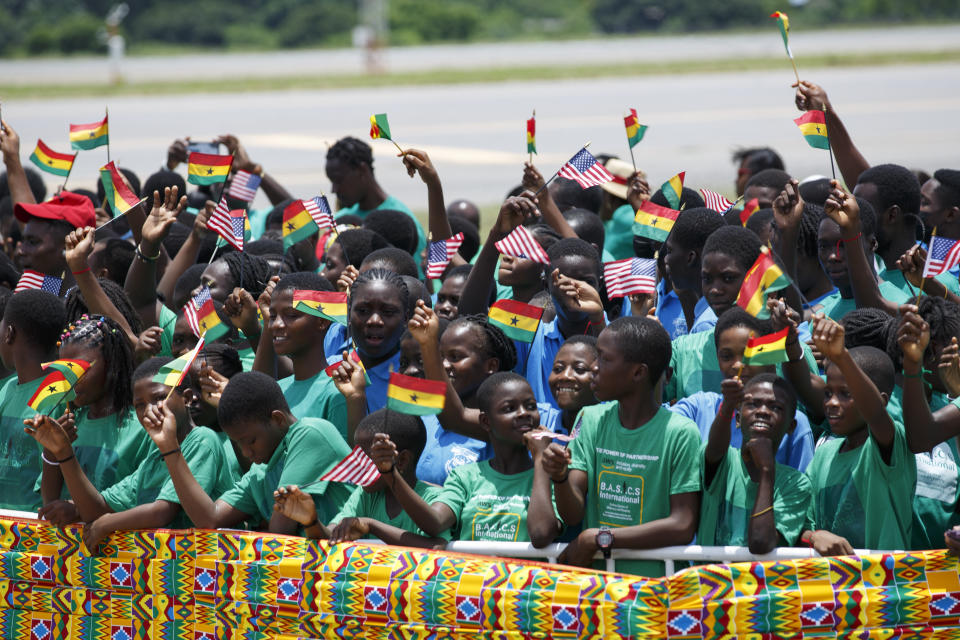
533	180
787	214
762	536
851	162
718	442
808	385
16	176
141	282
274	191
187	255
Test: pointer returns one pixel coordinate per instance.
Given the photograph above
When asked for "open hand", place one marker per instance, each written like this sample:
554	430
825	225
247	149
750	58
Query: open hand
293	503
51	436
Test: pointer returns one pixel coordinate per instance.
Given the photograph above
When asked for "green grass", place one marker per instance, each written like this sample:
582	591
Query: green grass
520	73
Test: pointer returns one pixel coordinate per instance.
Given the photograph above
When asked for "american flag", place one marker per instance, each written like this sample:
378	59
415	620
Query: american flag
356	468
716	201
244	186
229	224
441	253
585	169
35	280
943	254
630	276
319	210
521	244
191	311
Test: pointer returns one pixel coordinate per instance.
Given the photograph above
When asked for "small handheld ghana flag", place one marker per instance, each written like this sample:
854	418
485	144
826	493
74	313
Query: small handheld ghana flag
71	369
415	396
90	136
54	388
298	224
115	190
635	130
355	359
532	134
672	189
768	349
763	277
356	468
813	126
748	210
172	373
331	305
59	164
784	23
379	127
208	168
202	316
653	221
517	320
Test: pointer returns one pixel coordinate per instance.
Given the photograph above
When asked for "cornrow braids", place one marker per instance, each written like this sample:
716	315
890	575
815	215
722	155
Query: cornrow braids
389	277
809	228
76	306
253	271
496	343
106	335
868	327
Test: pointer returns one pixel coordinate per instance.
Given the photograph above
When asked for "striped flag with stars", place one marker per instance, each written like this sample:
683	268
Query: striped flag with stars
35	280
630	276
943	254
230	225
356	468
244	186
441	253
585	170
521	244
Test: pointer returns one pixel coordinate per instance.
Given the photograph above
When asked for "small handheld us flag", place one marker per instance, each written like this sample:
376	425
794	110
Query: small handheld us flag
356	468
629	277
521	244
716	201
441	253
943	254
244	186
319	210
585	170
35	280
230	225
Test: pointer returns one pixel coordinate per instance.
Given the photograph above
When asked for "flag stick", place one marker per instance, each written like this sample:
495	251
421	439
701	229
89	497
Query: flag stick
402	152
216	246
833	170
69	171
106	112
121	215
795	72
555	174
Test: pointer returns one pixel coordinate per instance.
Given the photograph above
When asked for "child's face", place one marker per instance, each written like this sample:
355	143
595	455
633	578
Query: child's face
411	360
842	414
613	376
512	414
677	262
833	255
201	412
571	377
183	339
41	248
519	272
466	363
147	392
363	438
720	278
763	413
293	331
257	441
217	277
448	298
578	268
376	318
730	346
333	263
91	387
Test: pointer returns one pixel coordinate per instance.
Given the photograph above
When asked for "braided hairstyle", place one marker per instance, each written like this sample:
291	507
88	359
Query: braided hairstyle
105	334
809	229
868	327
387	276
495	342
253	271
76	306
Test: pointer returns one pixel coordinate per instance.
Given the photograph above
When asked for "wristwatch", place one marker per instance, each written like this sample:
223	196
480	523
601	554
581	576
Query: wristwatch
604	542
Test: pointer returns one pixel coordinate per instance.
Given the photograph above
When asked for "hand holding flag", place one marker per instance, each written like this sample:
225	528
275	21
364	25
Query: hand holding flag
380	128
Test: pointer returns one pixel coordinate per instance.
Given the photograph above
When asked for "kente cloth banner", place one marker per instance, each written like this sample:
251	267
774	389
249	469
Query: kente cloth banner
212	585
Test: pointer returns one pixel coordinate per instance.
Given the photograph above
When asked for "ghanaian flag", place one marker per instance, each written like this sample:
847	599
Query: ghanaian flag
532	135
763	277
331	305
208	168
298	224
59	164
355	358
768	349
379	127
172	373
748	210
71	369
116	192
653	221
673	189
90	136
54	389
784	23
813	126
635	130
415	396
518	320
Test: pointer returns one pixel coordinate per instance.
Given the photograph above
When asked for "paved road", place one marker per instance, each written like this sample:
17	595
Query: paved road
475	133
587	52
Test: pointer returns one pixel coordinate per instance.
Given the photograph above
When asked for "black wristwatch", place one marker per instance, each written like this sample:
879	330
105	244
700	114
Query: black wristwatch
604	542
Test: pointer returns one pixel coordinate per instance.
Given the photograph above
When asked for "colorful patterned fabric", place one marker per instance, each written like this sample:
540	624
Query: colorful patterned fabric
212	585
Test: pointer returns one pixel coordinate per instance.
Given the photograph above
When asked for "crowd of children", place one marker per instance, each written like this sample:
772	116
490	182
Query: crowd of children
629	422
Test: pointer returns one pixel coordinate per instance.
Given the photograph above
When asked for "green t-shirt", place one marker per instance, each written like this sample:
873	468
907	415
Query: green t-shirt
834	306
247	355
310	448
631	473
167	320
109	449
895	278
20	463
895	403
848	485
229	455
151	481
618	236
693	359
316	397
936	494
727	503
489	506
373	504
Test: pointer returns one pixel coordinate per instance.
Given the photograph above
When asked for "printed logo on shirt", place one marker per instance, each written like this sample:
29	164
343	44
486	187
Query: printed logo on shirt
495	525
937	474
620	498
459	455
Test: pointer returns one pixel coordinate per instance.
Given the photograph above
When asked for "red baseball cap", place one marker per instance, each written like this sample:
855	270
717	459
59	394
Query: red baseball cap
66	205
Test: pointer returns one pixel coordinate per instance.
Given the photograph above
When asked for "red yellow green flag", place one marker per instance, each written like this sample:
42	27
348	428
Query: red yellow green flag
379	127
116	192
768	349
54	389
517	320
635	130
415	396
71	369
813	126
208	168
673	189
331	305
748	210
784	23
653	221
172	373
532	135
355	358
763	277
90	136
298	224
59	164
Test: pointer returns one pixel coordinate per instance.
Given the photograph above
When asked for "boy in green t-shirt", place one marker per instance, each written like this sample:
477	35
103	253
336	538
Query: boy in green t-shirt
31	326
372	510
748	498
631	474
299	336
283	449
145	499
864	479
